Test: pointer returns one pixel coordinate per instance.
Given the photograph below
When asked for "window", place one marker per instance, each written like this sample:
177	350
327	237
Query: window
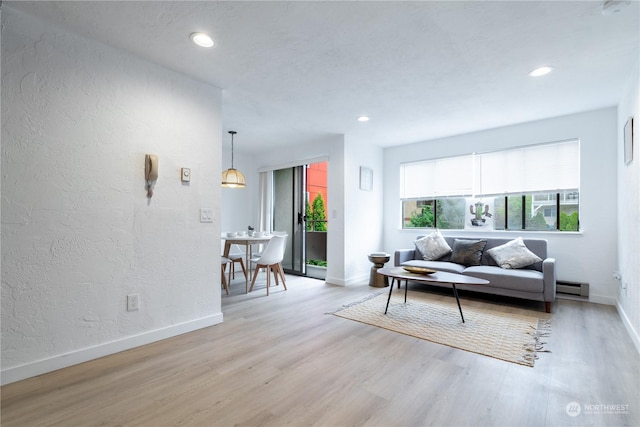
445	213
418	214
528	188
450	213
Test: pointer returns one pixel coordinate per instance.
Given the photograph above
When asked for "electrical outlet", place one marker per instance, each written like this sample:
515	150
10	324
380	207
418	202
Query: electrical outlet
133	302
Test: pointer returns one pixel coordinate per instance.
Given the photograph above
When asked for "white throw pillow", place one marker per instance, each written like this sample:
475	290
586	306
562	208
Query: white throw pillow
513	254
433	246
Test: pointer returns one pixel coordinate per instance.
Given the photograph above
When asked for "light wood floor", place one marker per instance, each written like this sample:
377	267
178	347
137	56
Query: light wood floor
282	361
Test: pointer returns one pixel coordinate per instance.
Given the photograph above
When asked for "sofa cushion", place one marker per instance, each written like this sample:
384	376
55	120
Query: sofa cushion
520	280
433	246
513	254
467	252
436	265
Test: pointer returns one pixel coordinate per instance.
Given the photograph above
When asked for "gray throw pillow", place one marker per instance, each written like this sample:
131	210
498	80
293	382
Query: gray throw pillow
433	246
467	252
513	254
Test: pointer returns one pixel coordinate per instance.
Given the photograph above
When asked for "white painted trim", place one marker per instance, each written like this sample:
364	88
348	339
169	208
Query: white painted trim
335	281
54	363
635	337
602	299
356	280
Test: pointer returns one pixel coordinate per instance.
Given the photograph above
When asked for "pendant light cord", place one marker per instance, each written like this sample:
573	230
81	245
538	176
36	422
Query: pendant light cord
232	132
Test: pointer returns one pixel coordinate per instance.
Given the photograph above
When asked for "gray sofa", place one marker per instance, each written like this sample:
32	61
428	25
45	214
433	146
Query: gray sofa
536	282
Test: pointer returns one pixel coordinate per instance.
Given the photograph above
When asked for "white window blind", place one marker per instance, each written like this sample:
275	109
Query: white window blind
546	167
451	176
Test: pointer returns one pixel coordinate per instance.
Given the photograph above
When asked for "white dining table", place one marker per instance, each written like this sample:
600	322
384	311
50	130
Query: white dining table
247	242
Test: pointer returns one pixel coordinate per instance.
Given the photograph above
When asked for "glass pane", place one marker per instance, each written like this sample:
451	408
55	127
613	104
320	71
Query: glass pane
569	208
541	212
450	213
498	213
417	213
514	213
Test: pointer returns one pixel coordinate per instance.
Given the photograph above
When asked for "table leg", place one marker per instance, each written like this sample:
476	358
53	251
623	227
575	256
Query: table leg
406	287
389	299
248	265
455	292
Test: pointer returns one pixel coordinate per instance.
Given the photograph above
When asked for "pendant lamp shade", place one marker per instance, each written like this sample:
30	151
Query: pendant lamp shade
233	178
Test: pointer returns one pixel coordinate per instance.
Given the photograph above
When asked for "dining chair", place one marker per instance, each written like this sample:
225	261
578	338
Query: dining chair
255	256
271	260
236	256
223	263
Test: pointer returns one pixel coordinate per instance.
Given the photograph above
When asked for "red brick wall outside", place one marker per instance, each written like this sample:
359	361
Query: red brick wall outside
317	182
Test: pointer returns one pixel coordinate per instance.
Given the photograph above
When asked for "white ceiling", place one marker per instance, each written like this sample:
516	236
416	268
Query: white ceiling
294	72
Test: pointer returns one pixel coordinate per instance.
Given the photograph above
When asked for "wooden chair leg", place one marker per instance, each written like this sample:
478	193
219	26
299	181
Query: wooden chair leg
244	270
278	271
267	268
224	280
255	275
281	272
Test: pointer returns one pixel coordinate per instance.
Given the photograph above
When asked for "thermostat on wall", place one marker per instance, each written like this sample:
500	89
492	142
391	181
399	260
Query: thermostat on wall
185	174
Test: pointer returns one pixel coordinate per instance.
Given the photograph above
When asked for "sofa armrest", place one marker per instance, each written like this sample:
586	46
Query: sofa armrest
402	255
549	278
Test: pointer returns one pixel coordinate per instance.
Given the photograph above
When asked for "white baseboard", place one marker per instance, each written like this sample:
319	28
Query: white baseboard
335	281
54	363
629	327
602	299
356	280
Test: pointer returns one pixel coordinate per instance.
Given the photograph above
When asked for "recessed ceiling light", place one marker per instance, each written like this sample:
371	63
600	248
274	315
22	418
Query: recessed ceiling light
201	39
541	71
363	119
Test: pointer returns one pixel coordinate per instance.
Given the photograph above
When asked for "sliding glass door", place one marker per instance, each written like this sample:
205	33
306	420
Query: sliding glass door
289	203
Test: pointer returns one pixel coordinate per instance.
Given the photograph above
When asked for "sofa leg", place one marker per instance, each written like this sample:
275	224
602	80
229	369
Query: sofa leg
547	306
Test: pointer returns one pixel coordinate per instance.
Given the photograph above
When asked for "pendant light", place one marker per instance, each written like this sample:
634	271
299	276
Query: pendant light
233	178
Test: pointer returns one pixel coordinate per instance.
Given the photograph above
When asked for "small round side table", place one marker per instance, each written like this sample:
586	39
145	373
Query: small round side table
378	280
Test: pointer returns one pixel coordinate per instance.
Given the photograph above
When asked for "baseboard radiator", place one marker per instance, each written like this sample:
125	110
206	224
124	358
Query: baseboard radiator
572	288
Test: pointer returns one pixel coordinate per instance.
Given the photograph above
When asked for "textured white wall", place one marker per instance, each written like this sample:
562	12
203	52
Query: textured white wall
629	211
589	256
363	213
78	233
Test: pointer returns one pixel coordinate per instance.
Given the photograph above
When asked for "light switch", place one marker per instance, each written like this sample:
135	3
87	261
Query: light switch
206	215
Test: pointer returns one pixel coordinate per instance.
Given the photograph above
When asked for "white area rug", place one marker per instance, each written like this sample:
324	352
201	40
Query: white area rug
510	337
